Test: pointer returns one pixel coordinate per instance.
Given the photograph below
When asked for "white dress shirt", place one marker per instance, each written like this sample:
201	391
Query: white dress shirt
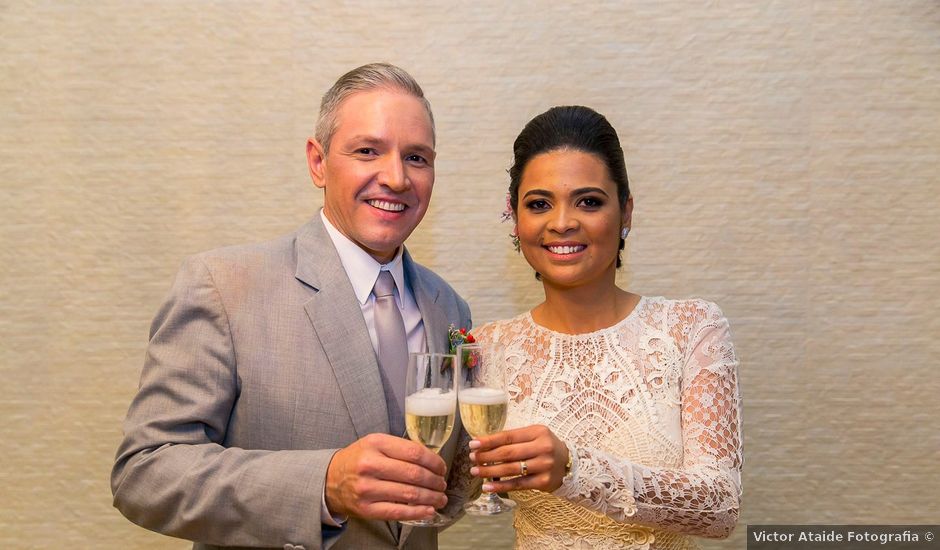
363	271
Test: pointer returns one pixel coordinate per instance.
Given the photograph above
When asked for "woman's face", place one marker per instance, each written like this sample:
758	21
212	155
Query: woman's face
568	217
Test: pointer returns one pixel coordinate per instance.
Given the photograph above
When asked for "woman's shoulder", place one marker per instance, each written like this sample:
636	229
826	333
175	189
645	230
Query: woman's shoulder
684	319
686	308
502	328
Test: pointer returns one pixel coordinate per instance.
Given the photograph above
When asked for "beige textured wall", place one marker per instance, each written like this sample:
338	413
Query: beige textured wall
783	157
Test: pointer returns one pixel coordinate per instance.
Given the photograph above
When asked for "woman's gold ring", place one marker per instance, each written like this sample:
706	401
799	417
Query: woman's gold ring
523	467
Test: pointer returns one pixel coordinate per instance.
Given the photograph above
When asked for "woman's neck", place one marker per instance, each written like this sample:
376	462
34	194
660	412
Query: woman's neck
585	308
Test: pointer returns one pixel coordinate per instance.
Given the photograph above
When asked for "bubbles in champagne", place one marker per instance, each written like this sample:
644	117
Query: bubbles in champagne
431	402
483	410
429	417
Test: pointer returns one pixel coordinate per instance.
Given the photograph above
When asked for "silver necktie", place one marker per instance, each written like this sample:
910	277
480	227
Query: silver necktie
393	350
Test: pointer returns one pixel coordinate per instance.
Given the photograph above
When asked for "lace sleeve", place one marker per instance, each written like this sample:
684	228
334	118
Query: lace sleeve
702	496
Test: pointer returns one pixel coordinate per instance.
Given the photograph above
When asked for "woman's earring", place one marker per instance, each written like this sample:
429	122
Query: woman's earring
624	232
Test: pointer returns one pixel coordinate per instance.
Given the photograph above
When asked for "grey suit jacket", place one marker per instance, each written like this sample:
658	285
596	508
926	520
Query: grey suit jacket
259	368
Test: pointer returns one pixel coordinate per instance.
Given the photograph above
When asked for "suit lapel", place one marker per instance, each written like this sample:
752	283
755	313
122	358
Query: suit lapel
337	319
435	322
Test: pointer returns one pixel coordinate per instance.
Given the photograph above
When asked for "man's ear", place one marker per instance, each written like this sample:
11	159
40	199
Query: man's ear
316	162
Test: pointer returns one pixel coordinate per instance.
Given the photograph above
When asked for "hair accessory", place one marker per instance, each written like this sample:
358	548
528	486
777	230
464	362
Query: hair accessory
508	217
624	232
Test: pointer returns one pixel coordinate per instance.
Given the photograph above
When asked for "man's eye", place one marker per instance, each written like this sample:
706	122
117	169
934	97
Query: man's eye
366	151
416	158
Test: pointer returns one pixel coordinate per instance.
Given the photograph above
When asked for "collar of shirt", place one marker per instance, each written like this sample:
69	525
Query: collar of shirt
361	268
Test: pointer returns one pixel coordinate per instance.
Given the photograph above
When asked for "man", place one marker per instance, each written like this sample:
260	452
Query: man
270	408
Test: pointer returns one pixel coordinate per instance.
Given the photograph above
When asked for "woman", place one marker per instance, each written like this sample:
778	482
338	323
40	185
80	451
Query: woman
624	411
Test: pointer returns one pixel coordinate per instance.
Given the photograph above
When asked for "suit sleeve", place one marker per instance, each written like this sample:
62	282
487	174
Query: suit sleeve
172	473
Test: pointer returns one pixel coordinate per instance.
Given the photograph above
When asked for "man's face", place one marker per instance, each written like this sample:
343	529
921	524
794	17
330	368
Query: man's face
379	172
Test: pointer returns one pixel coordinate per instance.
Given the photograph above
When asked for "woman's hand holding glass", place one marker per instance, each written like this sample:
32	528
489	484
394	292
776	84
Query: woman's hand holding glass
484	404
524	458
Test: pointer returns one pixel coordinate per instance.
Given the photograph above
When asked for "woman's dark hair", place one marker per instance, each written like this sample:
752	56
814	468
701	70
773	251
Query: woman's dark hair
574	128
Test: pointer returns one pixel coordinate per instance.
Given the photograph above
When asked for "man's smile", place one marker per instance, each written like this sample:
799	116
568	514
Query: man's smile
387	206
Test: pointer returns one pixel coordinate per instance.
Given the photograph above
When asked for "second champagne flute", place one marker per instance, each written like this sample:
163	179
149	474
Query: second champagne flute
484	401
430	407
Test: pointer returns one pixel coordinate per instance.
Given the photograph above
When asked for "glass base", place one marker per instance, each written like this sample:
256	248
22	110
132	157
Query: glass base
435	521
489	504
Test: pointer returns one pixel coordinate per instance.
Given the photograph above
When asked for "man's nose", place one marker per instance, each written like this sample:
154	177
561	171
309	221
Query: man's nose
393	175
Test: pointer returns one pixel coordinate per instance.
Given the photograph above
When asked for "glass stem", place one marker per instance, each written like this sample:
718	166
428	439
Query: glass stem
487	480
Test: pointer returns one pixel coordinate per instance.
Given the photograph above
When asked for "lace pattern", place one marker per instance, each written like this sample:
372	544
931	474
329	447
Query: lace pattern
651	406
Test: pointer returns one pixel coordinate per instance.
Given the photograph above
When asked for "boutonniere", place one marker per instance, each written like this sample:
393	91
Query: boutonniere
469	358
458	337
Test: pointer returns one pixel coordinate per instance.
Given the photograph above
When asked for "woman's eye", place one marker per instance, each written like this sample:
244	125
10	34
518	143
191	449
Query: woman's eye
592	202
537	204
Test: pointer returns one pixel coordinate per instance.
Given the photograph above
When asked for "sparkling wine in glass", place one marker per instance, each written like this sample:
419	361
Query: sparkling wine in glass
481	391
430	407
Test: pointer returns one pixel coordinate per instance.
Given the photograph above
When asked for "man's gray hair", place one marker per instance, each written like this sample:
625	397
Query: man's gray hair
361	79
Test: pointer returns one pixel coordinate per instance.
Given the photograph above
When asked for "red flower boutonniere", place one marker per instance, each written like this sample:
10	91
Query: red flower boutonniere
458	337
468	358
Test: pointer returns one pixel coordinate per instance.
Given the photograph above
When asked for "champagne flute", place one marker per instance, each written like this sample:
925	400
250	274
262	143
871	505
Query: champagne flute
484	401
430	407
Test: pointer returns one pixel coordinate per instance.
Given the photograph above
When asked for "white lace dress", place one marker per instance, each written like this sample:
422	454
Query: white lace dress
649	409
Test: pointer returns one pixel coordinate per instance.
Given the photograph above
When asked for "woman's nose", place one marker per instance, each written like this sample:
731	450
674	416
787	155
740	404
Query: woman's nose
563	220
